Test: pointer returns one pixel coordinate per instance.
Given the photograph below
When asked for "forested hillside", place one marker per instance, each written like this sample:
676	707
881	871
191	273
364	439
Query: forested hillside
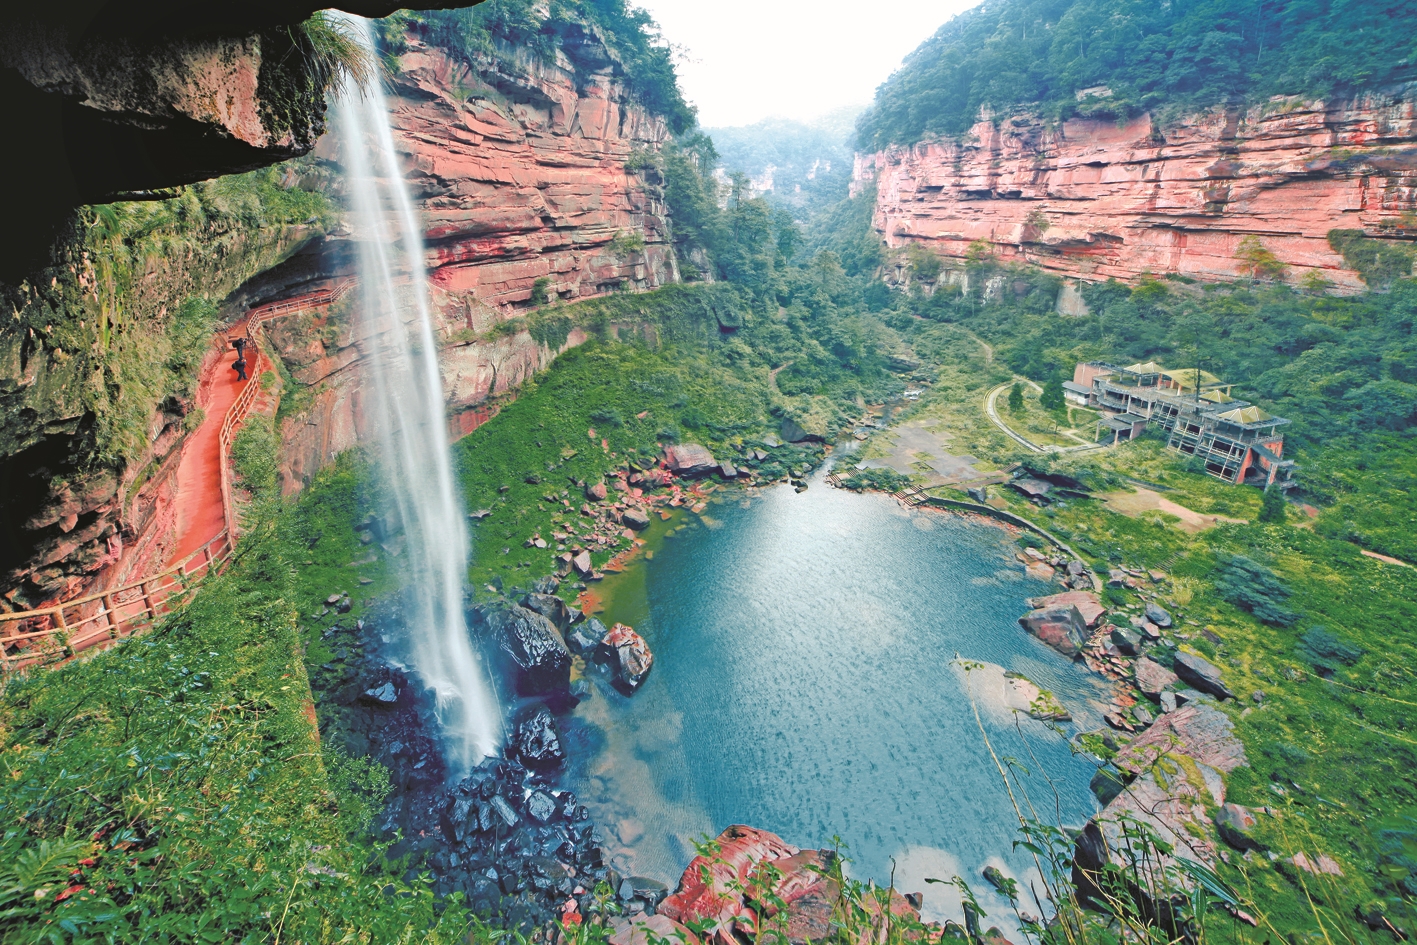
1136	55
801	165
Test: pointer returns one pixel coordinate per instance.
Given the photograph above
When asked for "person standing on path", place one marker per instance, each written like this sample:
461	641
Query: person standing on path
240	366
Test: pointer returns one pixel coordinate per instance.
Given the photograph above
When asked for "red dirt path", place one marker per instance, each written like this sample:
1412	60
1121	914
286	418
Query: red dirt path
198	489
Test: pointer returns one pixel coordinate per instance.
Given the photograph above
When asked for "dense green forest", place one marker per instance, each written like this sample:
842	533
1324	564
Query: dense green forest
811	161
1166	56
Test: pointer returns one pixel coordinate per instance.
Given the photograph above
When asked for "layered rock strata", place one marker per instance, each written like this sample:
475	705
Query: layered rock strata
528	179
1094	198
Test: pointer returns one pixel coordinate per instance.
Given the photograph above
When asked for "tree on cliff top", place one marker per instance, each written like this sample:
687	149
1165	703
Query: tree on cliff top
1133	56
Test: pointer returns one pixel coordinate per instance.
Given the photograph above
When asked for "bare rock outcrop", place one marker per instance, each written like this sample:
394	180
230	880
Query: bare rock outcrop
712	892
1177	769
1091	199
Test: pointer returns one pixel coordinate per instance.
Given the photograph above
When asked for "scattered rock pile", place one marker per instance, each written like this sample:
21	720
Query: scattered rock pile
713	894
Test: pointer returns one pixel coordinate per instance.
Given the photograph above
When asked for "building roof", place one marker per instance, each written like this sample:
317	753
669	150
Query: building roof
1216	396
1249	414
1185	378
1077	388
1150	367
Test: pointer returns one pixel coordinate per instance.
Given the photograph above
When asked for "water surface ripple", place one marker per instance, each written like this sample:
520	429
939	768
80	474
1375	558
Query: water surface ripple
803	684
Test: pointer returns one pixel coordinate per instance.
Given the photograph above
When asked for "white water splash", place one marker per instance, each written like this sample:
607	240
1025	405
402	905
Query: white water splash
409	420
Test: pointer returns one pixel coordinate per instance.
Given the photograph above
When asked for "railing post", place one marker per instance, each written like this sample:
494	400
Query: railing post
64	629
108	613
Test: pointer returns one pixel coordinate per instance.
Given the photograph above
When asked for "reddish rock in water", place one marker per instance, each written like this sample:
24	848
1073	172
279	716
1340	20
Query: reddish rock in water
1086	602
1062	628
689	459
627	655
1093	199
714	889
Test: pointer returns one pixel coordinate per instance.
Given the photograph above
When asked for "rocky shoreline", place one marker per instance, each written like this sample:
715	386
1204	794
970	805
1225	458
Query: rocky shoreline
509	836
518	845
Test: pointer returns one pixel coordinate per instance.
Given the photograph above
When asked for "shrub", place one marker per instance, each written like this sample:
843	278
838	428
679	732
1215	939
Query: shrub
1256	589
1326	651
1272	506
880	480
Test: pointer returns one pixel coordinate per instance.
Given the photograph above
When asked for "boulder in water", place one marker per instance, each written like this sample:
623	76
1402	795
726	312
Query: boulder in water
635	518
535	644
628	657
1086	602
585	637
534	741
1063	628
551	607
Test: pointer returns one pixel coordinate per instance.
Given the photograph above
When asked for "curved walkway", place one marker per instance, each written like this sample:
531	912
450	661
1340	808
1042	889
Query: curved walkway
991	410
201	511
205	522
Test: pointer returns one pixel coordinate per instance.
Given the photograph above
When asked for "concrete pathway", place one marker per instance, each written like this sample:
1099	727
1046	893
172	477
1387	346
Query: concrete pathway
992	412
200	516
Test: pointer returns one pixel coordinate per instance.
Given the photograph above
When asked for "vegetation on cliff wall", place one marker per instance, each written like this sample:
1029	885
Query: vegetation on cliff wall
628	33
1136	56
120	323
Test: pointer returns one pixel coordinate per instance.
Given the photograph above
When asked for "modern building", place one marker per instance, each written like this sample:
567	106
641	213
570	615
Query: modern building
1237	441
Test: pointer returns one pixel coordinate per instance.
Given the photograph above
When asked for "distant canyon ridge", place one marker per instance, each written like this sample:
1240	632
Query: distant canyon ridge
1092	199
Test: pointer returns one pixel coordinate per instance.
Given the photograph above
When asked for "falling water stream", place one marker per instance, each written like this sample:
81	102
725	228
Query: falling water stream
408	419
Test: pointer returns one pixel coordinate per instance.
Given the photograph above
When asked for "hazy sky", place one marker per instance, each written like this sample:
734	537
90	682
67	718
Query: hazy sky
751	59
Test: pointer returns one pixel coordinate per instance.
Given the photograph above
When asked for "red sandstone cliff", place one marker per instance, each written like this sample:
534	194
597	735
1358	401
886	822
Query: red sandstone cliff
1093	199
523	170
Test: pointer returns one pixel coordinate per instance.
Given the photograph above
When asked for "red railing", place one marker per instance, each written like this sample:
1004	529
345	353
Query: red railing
52	634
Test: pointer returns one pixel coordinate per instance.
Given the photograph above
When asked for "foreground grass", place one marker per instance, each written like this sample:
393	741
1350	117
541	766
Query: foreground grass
174	789
1331	742
598	408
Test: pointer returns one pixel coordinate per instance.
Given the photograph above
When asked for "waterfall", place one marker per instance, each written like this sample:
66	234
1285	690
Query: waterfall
401	357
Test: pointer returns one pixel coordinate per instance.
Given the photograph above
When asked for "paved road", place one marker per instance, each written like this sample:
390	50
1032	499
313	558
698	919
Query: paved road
990	408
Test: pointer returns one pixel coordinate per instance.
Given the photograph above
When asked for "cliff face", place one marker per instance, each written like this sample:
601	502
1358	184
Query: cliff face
1091	199
525	175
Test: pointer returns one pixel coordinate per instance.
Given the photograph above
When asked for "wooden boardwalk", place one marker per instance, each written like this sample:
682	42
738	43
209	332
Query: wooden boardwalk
48	635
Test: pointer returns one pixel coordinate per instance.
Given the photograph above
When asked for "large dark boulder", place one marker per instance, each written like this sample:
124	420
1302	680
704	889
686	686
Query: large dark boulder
1158	615
1063	628
792	432
534	741
585	637
535	645
1202	674
551	607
